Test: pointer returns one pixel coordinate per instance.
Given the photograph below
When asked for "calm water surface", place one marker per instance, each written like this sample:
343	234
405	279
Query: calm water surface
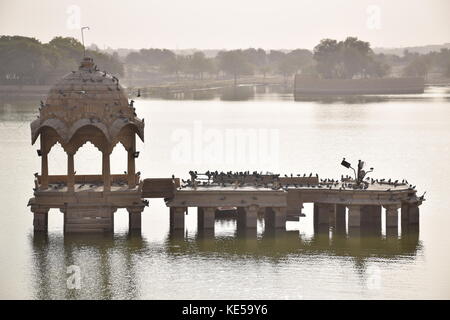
406	137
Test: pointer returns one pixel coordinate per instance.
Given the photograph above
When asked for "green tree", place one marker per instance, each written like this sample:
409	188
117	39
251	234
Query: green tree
176	65
287	66
346	59
234	63
28	61
418	67
199	64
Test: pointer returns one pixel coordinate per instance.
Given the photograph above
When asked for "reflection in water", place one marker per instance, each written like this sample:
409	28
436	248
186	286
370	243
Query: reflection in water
237	93
285	92
112	266
278	244
107	263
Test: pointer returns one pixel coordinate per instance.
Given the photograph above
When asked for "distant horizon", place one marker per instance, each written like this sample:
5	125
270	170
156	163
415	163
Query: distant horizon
445	44
231	24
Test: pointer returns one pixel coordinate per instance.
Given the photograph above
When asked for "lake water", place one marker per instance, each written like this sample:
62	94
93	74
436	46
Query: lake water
401	137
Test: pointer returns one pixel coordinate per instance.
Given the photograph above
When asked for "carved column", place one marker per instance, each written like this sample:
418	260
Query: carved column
371	217
339	218
177	218
205	218
354	216
70	172
410	214
269	218
391	216
44	164
131	164
135	218
247	217
106	171
40	219
251	220
280	217
323	213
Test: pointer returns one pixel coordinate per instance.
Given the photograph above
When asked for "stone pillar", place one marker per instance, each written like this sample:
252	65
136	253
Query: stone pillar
410	214
251	217
44	164
205	223
247	217
371	217
280	217
131	165
106	171
205	218
134	218
70	173
275	218
40	219
294	205
44	171
354	216
177	218
392	216
339	218
323	213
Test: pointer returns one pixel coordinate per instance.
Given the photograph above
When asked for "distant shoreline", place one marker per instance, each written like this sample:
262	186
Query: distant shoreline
40	91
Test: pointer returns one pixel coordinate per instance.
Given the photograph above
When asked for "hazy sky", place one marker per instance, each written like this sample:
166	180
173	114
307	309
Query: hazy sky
213	24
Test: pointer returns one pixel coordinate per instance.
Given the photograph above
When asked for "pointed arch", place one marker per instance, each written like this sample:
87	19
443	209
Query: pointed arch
88	122
119	124
59	126
88	133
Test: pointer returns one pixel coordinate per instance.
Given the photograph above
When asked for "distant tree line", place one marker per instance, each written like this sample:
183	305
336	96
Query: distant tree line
332	59
231	63
421	64
26	60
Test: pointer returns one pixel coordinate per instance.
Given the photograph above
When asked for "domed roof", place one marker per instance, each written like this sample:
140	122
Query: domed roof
87	96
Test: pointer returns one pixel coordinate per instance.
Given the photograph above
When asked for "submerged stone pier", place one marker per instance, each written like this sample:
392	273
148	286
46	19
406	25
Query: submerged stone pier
281	200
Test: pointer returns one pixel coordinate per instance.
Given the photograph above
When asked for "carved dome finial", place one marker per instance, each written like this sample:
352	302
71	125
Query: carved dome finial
87	63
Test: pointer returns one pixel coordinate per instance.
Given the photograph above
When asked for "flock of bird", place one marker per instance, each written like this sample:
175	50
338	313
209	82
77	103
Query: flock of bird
275	181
